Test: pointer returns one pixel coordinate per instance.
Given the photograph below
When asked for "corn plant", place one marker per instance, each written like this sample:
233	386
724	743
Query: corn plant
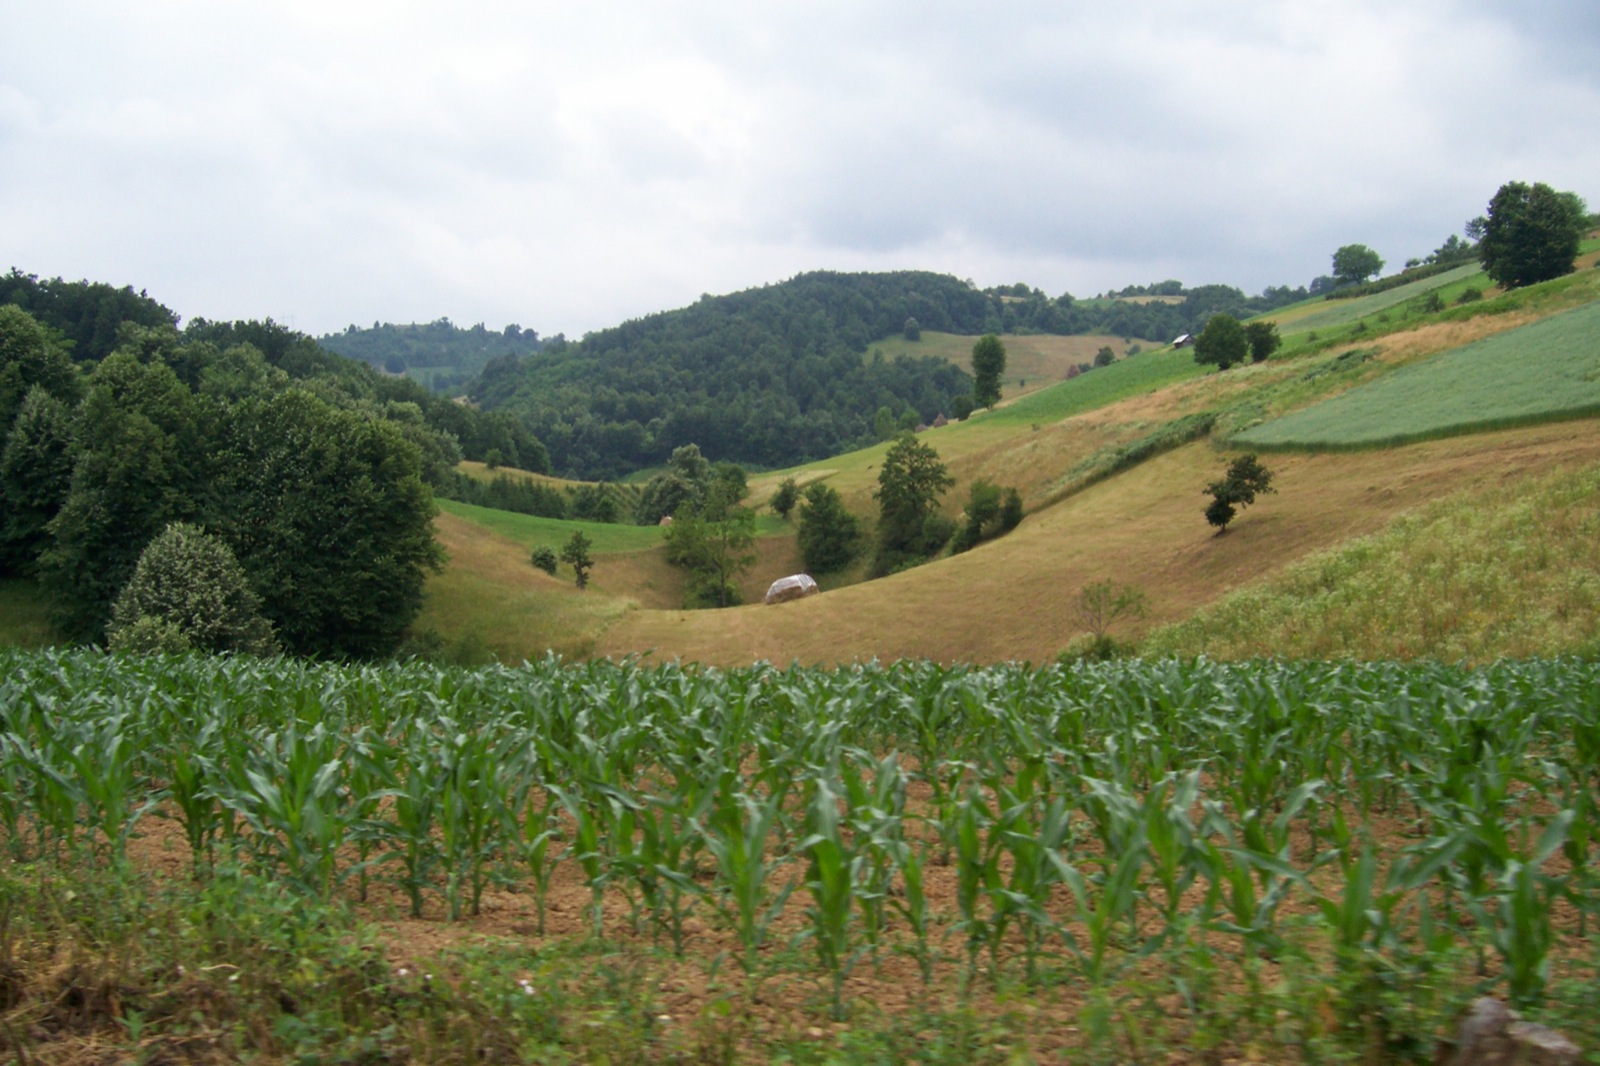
738	832
289	790
830	880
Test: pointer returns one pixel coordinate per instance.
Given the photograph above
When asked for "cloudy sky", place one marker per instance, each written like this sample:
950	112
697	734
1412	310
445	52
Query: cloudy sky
567	165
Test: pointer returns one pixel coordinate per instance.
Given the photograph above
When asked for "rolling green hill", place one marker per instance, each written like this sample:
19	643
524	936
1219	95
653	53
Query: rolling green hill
1015	597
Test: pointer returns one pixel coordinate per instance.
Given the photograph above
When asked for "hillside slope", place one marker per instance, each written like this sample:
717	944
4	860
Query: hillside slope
1014	598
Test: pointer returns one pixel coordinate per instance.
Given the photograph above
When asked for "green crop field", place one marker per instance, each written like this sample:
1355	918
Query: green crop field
1163	860
1546	370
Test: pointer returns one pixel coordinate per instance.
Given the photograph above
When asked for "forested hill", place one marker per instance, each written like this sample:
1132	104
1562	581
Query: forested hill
439	354
782	374
765	377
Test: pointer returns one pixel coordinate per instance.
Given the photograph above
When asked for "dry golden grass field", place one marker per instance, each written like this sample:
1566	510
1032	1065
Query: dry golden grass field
1015	598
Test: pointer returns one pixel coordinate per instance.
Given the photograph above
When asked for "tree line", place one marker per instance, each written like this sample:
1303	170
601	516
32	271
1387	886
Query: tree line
313	472
439	354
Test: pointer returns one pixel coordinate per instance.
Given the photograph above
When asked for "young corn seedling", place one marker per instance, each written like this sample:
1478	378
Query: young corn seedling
468	815
591	856
738	833
831	882
291	796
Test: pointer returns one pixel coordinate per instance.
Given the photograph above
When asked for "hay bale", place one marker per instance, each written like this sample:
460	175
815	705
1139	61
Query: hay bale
793	587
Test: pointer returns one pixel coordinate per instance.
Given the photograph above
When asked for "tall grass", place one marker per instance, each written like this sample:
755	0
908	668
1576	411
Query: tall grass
1476	576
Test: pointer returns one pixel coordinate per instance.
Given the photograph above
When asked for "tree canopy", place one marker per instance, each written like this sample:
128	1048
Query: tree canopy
188	592
1222	343
1245	479
1355	263
1531	234
910	527
988	365
316	489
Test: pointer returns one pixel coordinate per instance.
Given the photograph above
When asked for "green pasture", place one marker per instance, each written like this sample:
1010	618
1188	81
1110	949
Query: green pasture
1547	370
604	537
1330	314
1132	376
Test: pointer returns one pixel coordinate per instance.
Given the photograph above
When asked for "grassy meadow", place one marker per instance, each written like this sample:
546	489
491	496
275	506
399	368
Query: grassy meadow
1112	488
1033	361
1506	571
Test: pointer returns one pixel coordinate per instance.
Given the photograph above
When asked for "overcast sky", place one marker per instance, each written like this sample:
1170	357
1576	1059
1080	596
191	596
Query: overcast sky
566	166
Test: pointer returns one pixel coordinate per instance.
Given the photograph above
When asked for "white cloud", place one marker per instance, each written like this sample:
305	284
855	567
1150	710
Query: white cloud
566	166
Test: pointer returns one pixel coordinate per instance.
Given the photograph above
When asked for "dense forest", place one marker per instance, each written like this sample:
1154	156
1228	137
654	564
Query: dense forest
88	320
779	375
313	472
440	355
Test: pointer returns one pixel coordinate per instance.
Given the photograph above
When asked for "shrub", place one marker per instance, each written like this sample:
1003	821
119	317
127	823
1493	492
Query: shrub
1470	294
188	591
544	557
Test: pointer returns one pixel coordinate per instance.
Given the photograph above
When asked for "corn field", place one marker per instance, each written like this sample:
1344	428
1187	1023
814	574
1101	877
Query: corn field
1093	820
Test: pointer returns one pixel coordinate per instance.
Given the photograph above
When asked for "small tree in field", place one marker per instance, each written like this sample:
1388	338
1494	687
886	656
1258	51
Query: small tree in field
1532	234
576	553
544	558
1245	480
988	365
1101	604
1355	263
1222	342
786	497
829	535
1263	340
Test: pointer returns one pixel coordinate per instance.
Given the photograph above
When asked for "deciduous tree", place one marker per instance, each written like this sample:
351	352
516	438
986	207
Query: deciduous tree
1263	339
712	540
575	553
1531	234
188	585
1222	342
829	535
1355	263
1245	479
910	483
988	366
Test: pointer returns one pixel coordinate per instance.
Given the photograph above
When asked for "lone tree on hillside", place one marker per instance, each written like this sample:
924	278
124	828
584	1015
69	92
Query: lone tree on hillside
1245	480
576	553
988	364
1222	342
713	541
1355	263
786	497
1263	340
829	535
1531	234
910	482
1101	604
